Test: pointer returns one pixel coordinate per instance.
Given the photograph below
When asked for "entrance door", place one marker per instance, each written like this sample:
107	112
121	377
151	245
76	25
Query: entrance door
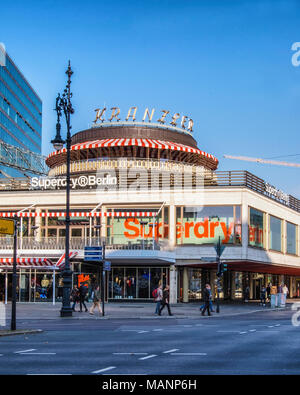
256	289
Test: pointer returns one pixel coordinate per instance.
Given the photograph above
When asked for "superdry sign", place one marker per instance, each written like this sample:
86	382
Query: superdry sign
76	182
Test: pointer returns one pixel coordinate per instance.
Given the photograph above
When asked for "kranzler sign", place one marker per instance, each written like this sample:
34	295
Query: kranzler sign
163	117
7	227
76	182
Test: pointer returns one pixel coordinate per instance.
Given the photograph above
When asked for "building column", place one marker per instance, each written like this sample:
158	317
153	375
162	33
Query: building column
290	286
232	285
251	285
245	230
173	284
38	222
185	285
172	225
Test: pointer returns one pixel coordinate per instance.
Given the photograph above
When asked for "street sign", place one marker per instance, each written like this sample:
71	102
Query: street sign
7	227
219	248
93	253
107	266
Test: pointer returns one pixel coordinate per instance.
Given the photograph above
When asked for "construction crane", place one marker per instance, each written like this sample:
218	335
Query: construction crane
259	160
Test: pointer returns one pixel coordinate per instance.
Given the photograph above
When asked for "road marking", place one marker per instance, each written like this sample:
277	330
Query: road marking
130	353
148	357
49	374
271	326
252	330
228	331
143	331
241	333
189	353
104	370
277	325
23	351
156	330
174	349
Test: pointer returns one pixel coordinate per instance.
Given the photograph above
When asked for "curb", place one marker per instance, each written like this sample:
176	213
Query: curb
19	332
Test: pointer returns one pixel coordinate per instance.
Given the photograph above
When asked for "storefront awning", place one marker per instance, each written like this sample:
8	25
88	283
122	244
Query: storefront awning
148	143
27	263
80	214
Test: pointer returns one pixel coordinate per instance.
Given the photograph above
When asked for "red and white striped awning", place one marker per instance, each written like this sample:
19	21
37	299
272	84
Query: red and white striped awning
27	263
148	143
61	262
80	214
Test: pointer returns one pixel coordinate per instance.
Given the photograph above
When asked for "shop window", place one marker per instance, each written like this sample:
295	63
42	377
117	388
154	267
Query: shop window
52	232
275	234
291	238
194	291
76	232
206	224
256	228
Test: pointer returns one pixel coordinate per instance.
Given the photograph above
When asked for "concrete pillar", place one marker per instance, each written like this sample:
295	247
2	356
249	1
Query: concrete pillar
38	222
251	285
173	284
232	295
245	230
172	225
291	289
185	285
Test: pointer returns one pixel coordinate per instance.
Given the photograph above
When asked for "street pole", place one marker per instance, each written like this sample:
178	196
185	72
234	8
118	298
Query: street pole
14	280
64	104
219	274
103	277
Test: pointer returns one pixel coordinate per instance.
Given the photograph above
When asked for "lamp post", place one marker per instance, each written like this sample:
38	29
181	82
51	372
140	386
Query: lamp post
98	229
63	105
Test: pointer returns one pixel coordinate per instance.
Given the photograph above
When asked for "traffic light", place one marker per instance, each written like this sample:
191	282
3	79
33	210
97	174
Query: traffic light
220	269
224	267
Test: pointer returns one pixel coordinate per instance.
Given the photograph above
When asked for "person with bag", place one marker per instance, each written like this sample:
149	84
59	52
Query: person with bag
165	301
96	300
82	296
157	295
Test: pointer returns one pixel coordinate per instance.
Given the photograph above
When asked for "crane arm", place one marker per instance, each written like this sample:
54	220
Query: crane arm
259	160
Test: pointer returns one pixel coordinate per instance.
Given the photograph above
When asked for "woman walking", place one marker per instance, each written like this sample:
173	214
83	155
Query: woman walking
96	300
165	301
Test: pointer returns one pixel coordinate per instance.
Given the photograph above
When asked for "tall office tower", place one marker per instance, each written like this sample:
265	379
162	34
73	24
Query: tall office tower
20	122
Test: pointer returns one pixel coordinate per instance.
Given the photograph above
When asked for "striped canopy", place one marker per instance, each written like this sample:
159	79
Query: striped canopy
80	214
27	263
148	143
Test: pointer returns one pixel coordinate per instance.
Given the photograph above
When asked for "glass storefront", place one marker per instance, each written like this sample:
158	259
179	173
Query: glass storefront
205	224
135	283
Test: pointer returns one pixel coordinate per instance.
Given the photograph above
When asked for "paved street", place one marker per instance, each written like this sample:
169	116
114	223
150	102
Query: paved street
254	343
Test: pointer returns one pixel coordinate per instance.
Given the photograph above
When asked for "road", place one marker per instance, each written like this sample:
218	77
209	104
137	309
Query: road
258	343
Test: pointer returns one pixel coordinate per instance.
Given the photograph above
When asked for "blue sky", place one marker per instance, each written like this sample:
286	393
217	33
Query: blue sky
226	64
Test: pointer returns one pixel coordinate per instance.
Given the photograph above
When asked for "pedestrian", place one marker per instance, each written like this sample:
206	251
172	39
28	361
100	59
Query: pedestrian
82	296
210	302
285	292
247	293
279	295
158	296
206	298
96	300
165	301
263	295
74	297
269	292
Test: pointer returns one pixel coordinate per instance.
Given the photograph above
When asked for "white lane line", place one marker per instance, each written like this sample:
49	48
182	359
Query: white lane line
143	331
23	351
148	357
49	374
174	349
130	353
228	331
104	370
189	353
157	330
270	326
241	333
252	330
277	325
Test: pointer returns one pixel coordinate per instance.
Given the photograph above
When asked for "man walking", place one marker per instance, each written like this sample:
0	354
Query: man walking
158	298
206	299
165	301
82	295
74	297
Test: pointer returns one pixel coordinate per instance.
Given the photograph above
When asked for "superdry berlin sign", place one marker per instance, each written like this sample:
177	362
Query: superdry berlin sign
176	120
76	182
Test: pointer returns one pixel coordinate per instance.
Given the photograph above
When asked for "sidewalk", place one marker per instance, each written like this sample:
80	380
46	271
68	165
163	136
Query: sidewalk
125	311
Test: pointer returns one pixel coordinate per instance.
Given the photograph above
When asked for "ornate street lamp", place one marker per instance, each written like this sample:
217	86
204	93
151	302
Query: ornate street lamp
63	104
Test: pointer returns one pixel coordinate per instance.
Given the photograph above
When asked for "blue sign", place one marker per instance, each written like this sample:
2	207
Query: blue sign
106	266
93	253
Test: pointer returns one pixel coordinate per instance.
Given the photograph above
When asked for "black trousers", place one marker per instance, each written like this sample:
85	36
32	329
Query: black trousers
206	307
163	306
82	303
